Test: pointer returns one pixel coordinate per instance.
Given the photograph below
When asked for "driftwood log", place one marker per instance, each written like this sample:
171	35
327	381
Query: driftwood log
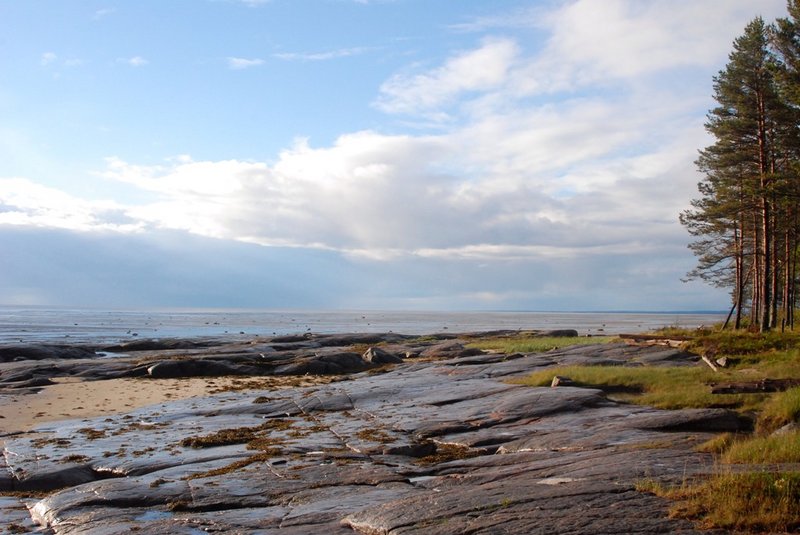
654	340
755	387
708	361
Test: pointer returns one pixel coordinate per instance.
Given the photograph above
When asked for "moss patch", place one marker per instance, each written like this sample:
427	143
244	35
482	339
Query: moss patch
374	435
239	435
74	459
448	452
263	456
92	434
238	384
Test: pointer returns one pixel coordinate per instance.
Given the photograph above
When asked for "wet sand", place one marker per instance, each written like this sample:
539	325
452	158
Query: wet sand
74	399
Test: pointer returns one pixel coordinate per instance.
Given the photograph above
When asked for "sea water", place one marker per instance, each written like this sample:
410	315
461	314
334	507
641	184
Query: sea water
72	325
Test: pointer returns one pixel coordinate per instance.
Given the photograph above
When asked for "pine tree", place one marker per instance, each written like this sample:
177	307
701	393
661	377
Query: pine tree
736	215
785	40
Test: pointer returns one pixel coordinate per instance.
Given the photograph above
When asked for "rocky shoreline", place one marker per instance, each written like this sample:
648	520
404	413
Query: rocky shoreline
405	435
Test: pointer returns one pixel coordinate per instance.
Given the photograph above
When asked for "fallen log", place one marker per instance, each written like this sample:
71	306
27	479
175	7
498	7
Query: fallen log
654	340
755	387
708	361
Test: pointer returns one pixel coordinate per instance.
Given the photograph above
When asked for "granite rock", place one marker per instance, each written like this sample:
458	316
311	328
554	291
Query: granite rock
438	445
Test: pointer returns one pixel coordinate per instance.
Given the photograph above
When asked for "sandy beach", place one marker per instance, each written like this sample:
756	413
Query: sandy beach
72	398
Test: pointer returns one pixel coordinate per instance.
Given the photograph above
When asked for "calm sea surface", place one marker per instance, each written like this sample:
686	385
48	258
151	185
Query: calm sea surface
34	324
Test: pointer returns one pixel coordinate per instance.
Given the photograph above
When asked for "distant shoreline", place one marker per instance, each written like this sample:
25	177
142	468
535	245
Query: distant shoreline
37	325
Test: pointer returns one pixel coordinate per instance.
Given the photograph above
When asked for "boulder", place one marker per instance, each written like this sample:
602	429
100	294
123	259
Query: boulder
449	349
791	427
560	333
376	355
717	420
45	351
161	344
173	369
326	364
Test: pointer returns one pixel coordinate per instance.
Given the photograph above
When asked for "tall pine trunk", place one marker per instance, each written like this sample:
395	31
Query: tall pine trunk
765	320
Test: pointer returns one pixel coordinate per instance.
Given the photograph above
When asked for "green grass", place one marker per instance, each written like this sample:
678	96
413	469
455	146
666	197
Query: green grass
717	445
753	501
742	342
660	387
747	501
781	409
752	357
783	448
536	344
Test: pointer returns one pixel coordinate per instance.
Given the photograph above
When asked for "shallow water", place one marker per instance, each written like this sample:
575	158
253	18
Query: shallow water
65	325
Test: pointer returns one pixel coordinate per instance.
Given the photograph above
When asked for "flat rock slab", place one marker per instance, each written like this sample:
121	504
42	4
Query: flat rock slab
421	447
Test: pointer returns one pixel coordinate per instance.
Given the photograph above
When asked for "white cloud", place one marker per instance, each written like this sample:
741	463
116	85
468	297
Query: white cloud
185	177
384	197
532	169
619	38
135	61
321	56
51	58
243	63
514	181
599	41
481	69
520	18
48	58
102	13
25	203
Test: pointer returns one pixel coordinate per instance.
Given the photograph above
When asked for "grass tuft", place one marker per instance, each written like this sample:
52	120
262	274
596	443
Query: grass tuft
536	344
781	409
784	448
717	445
743	342
660	387
746	501
752	501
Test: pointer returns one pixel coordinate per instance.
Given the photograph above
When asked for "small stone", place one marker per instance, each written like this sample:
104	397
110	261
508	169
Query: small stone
560	380
791	427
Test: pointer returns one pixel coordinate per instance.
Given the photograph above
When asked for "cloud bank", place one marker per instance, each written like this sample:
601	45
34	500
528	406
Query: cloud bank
559	157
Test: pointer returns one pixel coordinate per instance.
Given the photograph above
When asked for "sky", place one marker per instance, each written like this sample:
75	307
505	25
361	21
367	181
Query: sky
357	154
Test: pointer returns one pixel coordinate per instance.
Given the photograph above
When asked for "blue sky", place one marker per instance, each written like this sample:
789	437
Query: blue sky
378	154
